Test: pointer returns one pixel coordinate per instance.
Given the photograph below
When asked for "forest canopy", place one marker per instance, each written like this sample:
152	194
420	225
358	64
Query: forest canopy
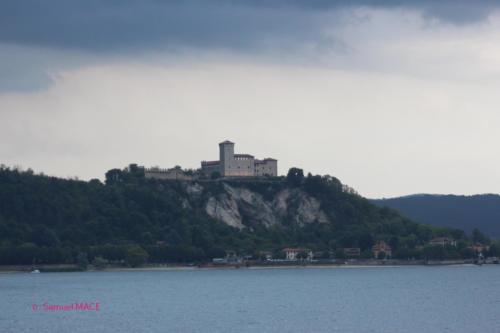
52	220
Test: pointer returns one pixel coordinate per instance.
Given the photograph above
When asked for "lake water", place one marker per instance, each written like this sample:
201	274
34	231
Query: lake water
379	299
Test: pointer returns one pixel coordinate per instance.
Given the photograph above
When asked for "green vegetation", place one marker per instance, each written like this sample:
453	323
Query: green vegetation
132	220
457	211
100	262
136	256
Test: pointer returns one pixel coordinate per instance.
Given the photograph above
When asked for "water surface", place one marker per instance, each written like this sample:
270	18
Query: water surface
398	299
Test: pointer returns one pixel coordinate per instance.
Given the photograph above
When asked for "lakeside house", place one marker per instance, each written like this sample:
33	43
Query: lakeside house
443	241
479	248
381	247
352	251
266	255
293	253
231	258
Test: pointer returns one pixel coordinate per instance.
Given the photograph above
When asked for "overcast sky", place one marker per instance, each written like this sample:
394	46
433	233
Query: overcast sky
391	97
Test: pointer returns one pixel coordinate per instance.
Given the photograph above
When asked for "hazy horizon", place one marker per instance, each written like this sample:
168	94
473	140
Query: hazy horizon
391	97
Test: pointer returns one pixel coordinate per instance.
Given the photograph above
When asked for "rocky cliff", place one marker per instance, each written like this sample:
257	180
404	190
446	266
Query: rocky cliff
241	207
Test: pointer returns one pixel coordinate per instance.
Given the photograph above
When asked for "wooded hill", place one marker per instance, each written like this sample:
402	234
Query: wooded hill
53	220
454	211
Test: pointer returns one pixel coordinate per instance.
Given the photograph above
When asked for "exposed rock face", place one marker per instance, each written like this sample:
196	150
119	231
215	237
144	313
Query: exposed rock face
310	211
226	210
304	209
241	207
194	189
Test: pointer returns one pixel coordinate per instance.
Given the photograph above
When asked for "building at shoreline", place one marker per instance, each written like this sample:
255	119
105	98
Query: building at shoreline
443	241
293	253
381	248
239	165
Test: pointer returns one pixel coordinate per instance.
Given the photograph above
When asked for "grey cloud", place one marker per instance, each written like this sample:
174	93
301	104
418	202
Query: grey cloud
107	28
28	68
106	25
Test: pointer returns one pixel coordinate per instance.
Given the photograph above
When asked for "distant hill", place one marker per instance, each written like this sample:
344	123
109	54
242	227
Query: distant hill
463	212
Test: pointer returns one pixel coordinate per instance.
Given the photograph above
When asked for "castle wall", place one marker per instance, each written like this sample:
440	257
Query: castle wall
240	167
170	174
267	167
209	168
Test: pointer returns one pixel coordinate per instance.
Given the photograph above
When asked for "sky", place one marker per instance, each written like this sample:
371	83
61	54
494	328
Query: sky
391	97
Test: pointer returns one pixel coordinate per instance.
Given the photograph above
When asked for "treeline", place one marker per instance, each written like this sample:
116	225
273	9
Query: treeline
132	254
130	219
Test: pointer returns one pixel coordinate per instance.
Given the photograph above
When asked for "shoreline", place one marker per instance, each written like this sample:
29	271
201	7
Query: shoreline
172	267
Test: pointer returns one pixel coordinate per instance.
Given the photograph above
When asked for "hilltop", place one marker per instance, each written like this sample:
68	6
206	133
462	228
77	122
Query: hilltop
454	211
53	220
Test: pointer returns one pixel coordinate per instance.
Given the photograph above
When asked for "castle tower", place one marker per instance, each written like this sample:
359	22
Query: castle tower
226	157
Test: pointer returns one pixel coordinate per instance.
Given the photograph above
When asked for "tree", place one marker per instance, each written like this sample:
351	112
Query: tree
295	176
173	238
302	255
325	254
216	252
494	250
279	255
434	252
340	254
366	254
215	175
113	176
136	256
99	262
366	241
394	242
479	237
402	253
82	261
43	236
467	253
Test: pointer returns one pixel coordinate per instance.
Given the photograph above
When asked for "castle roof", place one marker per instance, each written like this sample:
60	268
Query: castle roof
243	155
264	161
226	142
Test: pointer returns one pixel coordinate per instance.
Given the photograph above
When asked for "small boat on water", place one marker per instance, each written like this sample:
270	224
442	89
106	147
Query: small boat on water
35	271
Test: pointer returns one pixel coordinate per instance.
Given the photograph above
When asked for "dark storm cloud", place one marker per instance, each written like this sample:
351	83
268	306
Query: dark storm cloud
99	25
107	25
35	35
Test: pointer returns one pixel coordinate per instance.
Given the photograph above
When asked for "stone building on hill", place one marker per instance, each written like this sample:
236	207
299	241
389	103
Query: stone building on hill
175	173
239	165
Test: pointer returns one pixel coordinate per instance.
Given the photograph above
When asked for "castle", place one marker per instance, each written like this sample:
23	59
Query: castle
239	165
228	165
